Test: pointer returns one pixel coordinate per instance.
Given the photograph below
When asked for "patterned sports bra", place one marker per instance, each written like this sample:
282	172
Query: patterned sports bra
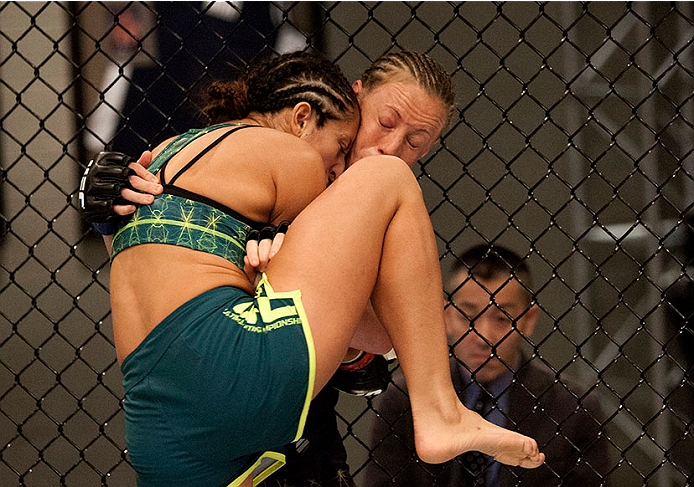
181	217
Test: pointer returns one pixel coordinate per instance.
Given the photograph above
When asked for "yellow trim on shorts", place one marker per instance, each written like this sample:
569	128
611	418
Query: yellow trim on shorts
296	297
280	461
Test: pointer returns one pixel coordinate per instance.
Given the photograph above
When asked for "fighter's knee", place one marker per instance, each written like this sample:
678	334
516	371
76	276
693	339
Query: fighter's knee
382	162
387	171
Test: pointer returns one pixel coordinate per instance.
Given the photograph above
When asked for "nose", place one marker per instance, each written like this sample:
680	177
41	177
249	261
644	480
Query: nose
480	332
390	145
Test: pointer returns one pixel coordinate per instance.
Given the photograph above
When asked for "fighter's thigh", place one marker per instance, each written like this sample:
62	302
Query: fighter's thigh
335	281
335	244
332	253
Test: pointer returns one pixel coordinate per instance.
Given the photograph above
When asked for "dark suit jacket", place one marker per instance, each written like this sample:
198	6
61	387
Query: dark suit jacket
559	415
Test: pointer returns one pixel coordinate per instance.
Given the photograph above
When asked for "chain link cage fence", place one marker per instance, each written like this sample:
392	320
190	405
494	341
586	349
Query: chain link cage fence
571	145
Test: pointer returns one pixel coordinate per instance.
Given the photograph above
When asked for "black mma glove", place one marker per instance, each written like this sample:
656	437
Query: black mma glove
106	175
268	232
367	375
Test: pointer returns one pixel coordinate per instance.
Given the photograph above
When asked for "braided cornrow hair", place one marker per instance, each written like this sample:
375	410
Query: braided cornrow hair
283	82
421	67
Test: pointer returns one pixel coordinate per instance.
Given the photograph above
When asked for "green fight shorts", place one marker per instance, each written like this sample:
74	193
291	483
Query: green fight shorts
216	390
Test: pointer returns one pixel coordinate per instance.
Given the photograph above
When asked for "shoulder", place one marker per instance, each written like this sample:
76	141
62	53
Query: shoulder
293	168
288	157
540	376
537	373
162	146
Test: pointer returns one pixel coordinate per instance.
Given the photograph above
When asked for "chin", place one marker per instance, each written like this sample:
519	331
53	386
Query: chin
484	375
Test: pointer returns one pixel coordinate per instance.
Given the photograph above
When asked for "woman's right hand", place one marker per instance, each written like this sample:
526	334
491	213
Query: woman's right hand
260	250
143	181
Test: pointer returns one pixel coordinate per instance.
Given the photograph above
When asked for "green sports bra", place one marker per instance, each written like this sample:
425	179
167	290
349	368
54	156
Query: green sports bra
181	217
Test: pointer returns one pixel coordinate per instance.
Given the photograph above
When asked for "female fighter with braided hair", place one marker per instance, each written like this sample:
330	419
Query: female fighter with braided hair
218	373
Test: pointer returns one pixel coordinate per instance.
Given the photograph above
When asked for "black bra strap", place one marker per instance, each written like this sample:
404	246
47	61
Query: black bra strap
200	155
184	193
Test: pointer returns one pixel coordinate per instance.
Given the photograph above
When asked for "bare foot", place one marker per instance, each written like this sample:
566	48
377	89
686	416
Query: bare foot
438	440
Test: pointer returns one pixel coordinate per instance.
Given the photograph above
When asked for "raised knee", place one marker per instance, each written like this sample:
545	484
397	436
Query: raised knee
386	163
387	172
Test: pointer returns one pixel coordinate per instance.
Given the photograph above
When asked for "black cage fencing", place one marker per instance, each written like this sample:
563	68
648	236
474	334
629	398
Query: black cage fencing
571	144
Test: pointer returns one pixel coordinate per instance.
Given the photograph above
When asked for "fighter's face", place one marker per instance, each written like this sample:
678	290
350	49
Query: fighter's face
398	119
333	141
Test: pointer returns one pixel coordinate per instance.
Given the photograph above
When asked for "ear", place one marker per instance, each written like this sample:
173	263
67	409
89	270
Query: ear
526	324
301	115
357	87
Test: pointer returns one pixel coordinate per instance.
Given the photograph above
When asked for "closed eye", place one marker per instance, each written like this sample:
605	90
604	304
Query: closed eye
417	140
386	123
